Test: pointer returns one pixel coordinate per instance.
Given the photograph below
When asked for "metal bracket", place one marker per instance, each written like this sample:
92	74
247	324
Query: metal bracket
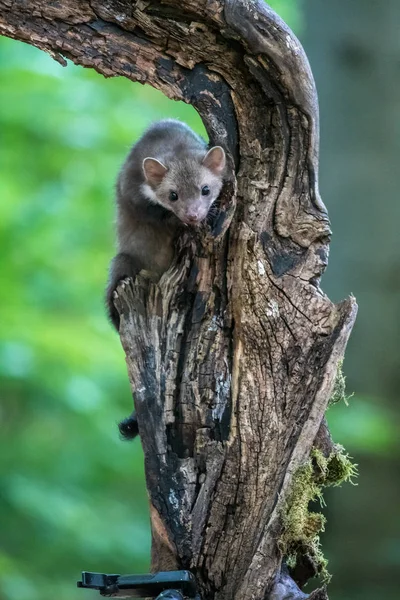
165	585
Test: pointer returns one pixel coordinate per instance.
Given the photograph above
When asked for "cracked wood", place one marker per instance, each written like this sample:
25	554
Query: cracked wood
232	357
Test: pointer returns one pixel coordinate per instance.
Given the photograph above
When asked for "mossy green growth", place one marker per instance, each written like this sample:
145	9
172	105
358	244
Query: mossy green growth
335	469
301	527
339	387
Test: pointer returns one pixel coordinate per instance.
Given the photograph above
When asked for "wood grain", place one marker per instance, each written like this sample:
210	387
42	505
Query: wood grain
232	356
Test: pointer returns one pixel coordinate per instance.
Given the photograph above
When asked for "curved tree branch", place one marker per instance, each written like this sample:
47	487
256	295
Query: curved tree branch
233	356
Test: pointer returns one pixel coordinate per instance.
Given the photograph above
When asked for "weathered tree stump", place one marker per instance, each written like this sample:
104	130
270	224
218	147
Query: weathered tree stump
233	356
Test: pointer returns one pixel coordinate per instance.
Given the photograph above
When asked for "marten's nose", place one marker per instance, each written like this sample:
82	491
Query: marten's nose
193	216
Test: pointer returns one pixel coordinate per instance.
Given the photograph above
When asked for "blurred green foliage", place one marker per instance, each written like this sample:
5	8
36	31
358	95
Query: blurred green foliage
291	12
72	495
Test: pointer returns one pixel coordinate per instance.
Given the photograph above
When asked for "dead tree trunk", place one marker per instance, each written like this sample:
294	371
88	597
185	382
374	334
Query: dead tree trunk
233	356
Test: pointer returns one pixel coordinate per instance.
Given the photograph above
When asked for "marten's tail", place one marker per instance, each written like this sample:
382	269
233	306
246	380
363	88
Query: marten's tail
128	428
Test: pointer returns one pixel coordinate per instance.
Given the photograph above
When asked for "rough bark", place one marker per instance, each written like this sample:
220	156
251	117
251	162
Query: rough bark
232	356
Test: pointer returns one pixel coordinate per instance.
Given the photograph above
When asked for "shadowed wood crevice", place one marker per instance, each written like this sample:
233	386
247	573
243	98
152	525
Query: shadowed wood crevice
232	357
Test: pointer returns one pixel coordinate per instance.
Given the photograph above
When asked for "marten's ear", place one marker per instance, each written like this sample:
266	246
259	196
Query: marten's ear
154	170
215	160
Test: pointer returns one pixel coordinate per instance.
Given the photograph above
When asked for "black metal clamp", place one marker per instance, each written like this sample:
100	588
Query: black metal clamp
165	585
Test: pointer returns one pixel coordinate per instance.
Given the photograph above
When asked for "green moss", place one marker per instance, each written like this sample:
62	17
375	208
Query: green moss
339	387
334	470
301	527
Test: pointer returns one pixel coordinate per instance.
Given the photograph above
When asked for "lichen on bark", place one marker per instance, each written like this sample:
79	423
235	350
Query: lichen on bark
339	388
301	525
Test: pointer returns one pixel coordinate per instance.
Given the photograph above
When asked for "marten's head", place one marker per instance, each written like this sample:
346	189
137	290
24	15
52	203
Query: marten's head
187	187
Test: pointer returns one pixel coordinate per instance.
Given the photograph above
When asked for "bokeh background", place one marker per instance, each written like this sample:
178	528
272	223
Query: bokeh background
72	495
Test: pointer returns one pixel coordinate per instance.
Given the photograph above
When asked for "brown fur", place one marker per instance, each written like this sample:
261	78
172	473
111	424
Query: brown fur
168	158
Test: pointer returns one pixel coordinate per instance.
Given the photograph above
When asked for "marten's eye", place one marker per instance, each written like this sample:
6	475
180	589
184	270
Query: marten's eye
173	196
205	190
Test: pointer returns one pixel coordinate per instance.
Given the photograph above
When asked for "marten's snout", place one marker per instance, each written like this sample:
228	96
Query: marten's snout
193	218
195	215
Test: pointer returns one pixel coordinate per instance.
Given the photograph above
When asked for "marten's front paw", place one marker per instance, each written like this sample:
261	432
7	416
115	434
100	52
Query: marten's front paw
111	295
123	267
112	312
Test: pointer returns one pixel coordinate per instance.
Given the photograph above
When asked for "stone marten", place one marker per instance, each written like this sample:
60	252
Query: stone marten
169	181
